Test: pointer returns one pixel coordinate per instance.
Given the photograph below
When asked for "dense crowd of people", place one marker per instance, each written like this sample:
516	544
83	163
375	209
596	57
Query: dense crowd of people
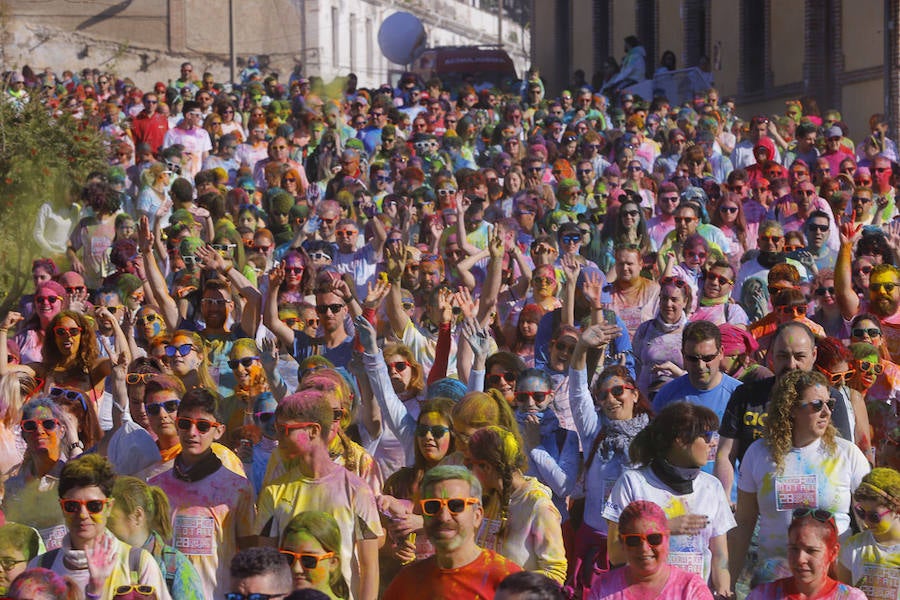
420	342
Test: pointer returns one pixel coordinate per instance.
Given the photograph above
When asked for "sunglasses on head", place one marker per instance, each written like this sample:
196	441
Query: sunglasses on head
183	350
859	332
202	425
821	515
676	281
245	362
436	431
73	507
872	517
634	540
306	560
433	506
31	425
73	395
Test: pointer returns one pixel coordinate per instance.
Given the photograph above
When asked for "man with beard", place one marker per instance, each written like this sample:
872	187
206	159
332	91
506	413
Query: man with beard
884	291
793	349
451	506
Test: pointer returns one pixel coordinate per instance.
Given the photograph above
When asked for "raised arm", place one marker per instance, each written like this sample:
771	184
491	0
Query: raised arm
395	263
284	333
572	269
847	299
250	311
491	288
165	302
464	268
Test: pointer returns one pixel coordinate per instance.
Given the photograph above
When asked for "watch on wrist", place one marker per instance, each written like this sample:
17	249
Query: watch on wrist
76	444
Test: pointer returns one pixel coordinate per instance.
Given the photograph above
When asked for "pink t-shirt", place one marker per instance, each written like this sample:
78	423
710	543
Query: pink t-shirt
681	585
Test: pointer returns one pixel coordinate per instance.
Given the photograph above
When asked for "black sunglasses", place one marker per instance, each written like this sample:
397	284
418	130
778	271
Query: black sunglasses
245	362
436	431
170	407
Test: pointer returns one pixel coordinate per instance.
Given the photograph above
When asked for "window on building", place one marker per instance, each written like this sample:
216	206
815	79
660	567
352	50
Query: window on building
696	32
646	19
602	23
335	39
754	41
352	42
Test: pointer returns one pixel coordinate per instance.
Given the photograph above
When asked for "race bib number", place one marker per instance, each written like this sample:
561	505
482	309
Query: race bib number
53	536
489	534
796	491
688	561
879	581
713	447
608	485
99	246
194	535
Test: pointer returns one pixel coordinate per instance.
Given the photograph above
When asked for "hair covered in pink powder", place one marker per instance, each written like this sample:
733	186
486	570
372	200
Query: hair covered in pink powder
642	510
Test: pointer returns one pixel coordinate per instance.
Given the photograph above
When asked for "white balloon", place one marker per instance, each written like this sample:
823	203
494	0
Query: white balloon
402	38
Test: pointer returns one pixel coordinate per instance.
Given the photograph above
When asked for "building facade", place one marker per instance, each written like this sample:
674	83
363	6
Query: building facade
148	39
763	52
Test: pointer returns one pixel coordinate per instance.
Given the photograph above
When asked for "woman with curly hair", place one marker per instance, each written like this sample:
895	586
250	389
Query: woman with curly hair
72	367
800	462
520	520
669	453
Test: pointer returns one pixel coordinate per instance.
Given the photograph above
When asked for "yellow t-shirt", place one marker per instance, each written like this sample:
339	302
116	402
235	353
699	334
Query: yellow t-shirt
347	497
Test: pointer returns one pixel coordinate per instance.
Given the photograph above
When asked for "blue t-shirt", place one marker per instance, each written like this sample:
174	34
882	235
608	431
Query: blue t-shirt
305	346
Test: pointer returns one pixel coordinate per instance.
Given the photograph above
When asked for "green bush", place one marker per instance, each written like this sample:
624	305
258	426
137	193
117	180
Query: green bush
42	156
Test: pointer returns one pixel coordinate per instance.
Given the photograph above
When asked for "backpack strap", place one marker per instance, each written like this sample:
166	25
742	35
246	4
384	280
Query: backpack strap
170	562
134	563
48	558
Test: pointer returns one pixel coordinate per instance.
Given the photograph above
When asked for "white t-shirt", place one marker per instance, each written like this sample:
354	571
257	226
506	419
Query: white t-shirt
875	569
688	552
811	477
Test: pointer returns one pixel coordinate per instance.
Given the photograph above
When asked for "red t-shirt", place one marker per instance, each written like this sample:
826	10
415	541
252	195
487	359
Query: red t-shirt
478	580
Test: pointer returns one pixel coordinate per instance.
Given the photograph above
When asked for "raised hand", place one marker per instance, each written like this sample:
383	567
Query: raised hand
395	261
599	335
477	337
495	244
572	269
463	299
368	337
593	288
11	319
268	354
445	304
101	558
212	259
276	276
145	236
119	362
375	293
850	231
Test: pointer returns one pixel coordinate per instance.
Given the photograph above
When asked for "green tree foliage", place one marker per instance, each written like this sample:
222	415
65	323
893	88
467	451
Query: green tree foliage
43	157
